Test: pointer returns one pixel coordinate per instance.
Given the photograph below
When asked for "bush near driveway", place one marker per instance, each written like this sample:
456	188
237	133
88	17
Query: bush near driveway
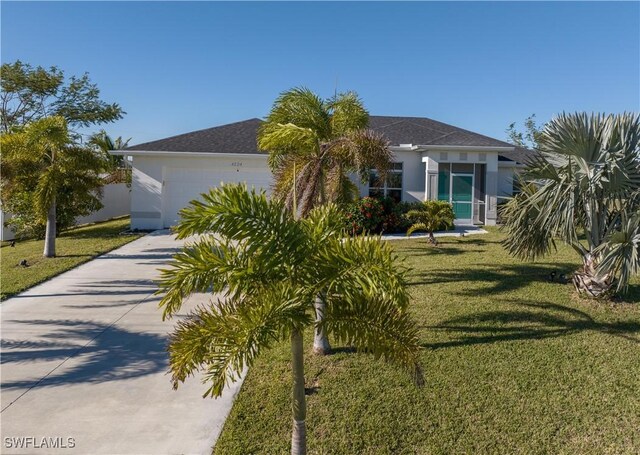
74	247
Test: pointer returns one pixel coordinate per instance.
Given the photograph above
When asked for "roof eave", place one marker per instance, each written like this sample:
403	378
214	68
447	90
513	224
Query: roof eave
127	152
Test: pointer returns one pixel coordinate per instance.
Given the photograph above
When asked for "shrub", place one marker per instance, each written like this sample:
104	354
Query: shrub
363	215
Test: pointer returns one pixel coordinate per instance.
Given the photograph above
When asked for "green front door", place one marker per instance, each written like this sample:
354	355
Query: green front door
462	196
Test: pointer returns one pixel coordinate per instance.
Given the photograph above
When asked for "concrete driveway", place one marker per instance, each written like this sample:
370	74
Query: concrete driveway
84	364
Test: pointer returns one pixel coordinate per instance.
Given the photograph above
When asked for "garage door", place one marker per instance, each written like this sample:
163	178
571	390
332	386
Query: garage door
182	185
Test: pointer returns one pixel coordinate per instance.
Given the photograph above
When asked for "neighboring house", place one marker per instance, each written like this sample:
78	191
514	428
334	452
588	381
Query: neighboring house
432	160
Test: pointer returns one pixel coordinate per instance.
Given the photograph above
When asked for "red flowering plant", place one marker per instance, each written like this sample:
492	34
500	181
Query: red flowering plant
363	215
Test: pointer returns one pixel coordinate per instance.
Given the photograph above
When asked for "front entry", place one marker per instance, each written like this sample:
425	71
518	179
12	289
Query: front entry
462	197
457	189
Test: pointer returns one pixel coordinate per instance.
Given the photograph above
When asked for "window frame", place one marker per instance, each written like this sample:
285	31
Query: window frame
397	168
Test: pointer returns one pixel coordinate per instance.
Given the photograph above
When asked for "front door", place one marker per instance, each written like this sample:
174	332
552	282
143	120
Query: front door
462	197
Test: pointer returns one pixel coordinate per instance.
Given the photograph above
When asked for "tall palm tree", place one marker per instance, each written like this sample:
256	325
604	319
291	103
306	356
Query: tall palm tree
314	147
431	216
43	155
585	180
266	267
324	141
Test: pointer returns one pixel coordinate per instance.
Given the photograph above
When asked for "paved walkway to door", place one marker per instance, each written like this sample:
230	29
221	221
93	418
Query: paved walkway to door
83	357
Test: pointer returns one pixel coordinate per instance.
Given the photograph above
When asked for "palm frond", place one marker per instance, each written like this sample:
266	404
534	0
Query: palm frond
355	266
378	326
620	254
222	339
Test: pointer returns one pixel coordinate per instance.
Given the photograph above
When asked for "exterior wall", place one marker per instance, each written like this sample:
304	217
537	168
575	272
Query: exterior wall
413	178
149	174
505	181
7	233
116	199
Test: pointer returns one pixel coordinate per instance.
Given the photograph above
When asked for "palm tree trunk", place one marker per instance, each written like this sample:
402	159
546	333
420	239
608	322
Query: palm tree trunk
299	434
432	238
586	280
50	233
321	344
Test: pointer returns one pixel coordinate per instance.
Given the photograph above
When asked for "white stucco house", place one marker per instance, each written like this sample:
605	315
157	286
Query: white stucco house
432	160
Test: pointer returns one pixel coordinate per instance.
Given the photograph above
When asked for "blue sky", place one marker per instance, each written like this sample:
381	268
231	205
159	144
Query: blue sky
178	67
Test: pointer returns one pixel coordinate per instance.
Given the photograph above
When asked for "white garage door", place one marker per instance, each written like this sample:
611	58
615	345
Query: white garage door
182	185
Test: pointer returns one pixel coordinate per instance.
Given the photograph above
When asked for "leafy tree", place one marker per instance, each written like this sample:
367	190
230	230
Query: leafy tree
431	216
266	267
42	167
528	138
29	94
585	181
314	146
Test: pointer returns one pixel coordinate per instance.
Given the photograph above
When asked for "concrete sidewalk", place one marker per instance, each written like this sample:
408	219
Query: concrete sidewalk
84	364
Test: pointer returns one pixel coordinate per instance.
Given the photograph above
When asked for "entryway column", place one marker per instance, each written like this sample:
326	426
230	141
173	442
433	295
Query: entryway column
492	191
430	178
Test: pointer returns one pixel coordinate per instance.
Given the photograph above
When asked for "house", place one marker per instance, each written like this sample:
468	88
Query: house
432	160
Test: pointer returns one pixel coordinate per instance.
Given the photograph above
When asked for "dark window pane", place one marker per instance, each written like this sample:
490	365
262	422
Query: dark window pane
396	166
394	180
396	195
462	168
374	179
376	192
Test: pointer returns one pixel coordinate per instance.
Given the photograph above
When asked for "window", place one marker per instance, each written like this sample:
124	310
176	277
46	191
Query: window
391	187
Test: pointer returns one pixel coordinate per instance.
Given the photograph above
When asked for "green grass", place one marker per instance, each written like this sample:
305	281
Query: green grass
73	247
513	363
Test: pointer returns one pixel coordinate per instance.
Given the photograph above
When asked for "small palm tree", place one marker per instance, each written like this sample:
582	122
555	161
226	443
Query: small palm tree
44	152
118	165
585	181
314	147
266	267
431	216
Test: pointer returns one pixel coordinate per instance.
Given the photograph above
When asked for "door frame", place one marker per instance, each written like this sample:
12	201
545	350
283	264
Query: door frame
462	221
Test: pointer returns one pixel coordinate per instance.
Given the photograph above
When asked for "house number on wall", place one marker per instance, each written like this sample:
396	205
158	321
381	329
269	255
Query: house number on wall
236	164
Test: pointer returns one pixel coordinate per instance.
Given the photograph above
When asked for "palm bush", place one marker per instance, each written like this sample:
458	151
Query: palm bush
431	216
264	269
582	188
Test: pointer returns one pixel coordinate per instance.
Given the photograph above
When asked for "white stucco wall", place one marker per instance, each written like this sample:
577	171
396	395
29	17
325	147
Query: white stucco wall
505	181
148	206
7	233
116	198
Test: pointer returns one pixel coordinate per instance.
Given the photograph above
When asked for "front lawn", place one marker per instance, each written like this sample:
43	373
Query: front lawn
73	247
513	363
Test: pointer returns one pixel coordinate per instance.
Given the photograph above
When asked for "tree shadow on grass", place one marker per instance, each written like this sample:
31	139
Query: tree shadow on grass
527	321
494	279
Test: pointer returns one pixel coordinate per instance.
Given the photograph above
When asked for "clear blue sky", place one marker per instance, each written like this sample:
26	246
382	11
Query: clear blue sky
178	67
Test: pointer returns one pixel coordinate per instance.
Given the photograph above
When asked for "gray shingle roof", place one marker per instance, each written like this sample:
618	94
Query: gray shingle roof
240	137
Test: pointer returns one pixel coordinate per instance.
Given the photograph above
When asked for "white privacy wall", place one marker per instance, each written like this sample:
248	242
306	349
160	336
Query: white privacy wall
116	198
162	182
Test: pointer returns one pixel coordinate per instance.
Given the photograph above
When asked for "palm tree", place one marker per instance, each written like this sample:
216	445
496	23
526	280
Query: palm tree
44	150
431	216
314	147
118	164
266	267
325	141
585	181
